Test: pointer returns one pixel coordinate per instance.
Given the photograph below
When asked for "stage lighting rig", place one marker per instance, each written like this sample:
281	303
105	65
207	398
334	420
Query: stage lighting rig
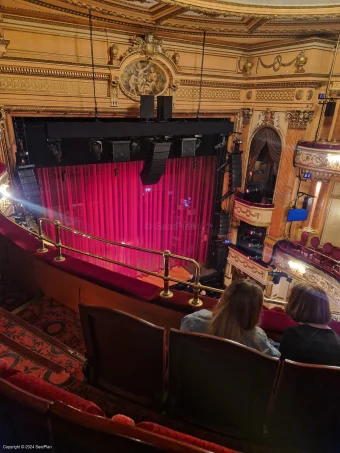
96	149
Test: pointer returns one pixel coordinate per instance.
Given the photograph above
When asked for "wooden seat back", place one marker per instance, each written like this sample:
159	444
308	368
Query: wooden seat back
306	407
219	384
126	355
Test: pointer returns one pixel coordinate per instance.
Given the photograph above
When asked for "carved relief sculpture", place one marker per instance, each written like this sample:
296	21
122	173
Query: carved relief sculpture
299	119
113	53
149	47
247	115
268	118
142	77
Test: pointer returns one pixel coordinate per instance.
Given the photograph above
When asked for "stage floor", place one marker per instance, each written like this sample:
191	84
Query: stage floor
176	272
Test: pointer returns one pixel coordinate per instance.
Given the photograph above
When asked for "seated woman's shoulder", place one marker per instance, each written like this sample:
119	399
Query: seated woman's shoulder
197	321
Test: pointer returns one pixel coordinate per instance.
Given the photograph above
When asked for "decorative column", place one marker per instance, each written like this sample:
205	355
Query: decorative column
284	190
247	115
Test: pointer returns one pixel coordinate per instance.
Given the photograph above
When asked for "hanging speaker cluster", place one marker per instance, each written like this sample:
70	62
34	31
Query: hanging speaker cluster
164	107
155	162
235	174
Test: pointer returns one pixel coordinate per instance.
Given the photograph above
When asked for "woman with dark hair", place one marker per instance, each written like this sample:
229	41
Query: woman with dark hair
312	341
235	318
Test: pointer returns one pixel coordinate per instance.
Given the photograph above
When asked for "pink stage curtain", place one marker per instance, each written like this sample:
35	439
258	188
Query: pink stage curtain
109	201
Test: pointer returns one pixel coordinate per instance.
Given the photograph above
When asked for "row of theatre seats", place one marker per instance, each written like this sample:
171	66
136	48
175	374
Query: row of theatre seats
327	256
217	384
34	414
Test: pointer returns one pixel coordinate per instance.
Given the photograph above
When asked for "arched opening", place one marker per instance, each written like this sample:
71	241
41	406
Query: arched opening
263	165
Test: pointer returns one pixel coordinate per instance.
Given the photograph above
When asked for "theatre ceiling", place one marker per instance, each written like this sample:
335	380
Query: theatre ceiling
242	23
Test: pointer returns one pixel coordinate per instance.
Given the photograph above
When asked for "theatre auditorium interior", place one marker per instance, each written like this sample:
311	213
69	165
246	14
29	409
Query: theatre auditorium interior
170	226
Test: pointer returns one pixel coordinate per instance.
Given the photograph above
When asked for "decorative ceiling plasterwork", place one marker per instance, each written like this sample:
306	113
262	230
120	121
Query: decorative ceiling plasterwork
217	17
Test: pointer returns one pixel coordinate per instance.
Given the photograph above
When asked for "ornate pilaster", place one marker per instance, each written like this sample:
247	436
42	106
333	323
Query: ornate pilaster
3	42
299	119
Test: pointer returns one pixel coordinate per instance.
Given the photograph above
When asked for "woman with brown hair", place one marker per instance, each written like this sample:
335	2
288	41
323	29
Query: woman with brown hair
312	341
235	318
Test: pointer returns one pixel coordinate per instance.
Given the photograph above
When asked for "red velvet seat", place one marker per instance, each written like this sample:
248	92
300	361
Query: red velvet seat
167	432
78	432
299	244
306	408
23	416
43	389
326	250
126	355
314	245
218	384
333	265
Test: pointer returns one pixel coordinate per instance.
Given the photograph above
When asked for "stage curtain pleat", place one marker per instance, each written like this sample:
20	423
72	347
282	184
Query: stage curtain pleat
110	202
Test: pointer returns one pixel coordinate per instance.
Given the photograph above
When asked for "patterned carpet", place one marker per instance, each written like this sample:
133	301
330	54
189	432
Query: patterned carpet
56	320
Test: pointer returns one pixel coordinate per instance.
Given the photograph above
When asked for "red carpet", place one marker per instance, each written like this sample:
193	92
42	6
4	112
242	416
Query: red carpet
55	320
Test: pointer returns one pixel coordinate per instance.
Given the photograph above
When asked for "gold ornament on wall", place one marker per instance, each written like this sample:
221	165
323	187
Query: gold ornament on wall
247	115
300	60
249	95
149	47
246	68
113	55
114	90
299	119
299	95
309	95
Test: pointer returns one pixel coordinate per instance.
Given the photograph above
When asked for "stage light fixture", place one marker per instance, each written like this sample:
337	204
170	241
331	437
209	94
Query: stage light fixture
54	148
96	148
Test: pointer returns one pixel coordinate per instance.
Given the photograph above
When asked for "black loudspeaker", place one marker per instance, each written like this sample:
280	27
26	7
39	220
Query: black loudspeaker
120	151
219	257
188	148
147	107
235	174
155	162
330	108
164	108
221	223
29	186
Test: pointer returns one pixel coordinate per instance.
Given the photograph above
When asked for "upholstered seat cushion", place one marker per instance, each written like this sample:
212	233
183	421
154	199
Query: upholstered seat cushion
48	391
164	431
275	320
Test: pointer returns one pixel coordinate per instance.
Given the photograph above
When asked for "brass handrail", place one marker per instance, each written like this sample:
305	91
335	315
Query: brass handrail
195	301
167	255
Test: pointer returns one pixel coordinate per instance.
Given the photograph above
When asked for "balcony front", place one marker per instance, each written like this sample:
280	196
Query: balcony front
309	265
258	270
320	160
255	214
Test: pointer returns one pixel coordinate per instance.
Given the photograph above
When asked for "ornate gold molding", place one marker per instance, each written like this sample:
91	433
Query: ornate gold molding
53	86
51	73
322	163
193	93
275	95
268	118
309	273
251	268
253	215
299	119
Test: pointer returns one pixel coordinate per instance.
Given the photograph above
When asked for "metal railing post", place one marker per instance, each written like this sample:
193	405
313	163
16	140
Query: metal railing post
166	293
42	248
196	301
59	256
